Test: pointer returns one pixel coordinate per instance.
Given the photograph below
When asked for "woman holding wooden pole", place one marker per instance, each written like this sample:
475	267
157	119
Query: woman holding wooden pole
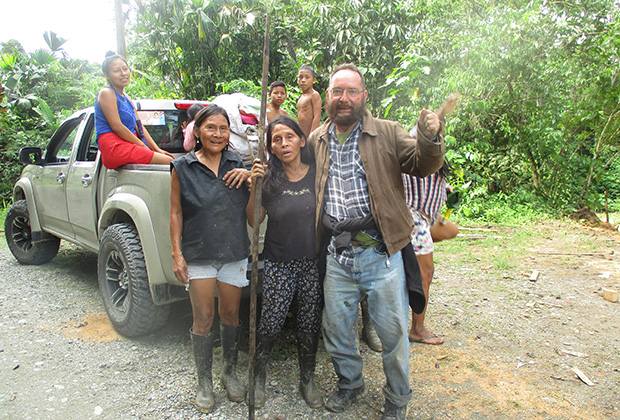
291	265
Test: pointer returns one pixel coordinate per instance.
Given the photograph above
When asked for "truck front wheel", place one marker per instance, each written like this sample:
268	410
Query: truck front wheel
124	285
19	237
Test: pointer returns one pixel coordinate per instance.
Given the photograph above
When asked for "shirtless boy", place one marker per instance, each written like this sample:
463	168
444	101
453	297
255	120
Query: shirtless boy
277	96
309	105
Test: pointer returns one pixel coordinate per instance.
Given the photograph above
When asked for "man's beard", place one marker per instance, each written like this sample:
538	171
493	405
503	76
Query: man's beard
357	111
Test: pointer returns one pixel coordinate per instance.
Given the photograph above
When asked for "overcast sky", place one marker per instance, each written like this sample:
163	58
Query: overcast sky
87	25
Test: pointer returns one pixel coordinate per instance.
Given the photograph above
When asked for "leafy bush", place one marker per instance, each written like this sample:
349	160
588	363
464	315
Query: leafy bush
36	92
16	133
502	209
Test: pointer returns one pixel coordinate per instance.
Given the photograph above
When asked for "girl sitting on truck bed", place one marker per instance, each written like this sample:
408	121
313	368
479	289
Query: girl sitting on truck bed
117	124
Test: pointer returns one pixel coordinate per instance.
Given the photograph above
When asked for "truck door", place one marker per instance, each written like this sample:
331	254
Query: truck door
52	177
81	188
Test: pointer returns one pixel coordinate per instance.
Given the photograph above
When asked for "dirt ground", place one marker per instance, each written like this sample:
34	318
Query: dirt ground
521	310
513	345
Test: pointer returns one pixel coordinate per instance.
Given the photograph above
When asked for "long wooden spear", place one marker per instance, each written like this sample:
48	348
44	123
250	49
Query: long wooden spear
257	205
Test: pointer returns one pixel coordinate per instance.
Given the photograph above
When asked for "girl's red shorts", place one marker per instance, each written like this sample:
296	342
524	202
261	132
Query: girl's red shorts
116	152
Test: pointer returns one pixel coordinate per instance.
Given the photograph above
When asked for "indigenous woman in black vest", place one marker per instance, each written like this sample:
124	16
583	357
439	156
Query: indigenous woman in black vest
210	245
290	254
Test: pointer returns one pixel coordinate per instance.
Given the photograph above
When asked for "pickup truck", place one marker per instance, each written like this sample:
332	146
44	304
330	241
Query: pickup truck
65	192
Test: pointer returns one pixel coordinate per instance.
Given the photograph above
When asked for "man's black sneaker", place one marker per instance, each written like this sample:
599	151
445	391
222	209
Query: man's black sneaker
342	399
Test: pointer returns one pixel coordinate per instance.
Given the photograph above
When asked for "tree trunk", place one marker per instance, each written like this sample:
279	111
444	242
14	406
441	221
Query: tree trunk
533	167
121	47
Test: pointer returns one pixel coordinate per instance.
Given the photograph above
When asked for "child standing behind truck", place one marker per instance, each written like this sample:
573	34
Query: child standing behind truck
309	105
277	96
189	141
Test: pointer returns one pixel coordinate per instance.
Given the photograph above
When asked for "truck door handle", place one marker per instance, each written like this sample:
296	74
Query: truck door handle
60	178
86	180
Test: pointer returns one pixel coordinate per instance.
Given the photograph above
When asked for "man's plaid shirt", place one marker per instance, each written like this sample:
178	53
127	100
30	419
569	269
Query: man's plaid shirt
346	194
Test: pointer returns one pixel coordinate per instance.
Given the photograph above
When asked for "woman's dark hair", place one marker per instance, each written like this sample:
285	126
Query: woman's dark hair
193	110
110	56
275	174
202	116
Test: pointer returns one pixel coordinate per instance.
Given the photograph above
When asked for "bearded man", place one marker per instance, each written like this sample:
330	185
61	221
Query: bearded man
359	191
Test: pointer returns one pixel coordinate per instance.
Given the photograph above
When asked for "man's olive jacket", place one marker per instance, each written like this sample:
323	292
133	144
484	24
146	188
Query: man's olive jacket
386	150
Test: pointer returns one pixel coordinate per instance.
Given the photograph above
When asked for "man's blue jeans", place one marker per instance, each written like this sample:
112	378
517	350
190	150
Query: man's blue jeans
384	284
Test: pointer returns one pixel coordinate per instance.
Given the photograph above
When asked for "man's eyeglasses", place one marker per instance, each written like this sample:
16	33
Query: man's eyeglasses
351	93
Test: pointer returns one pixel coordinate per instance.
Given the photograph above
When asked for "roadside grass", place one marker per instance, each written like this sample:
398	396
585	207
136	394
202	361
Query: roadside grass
3	210
503	247
504	253
495	246
507	230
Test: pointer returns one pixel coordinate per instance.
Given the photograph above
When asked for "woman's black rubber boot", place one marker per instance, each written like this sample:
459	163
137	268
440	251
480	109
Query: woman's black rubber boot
307	346
203	356
264	345
234	389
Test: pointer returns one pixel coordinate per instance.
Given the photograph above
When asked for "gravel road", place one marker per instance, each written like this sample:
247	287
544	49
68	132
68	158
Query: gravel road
513	346
61	359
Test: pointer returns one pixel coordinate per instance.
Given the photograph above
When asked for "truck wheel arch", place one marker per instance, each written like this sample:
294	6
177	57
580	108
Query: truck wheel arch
23	191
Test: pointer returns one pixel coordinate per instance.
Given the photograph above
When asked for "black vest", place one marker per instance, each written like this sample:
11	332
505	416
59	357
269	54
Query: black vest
214	221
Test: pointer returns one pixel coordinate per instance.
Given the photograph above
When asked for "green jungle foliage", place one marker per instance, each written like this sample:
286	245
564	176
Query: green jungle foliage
536	130
40	89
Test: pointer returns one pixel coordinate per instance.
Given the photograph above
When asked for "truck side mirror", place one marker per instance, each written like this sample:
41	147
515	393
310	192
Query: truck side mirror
30	155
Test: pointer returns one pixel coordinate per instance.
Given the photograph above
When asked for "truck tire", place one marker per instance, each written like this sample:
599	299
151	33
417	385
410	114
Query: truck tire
19	237
124	284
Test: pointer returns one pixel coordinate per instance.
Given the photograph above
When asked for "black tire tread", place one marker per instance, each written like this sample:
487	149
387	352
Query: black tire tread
142	316
41	252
